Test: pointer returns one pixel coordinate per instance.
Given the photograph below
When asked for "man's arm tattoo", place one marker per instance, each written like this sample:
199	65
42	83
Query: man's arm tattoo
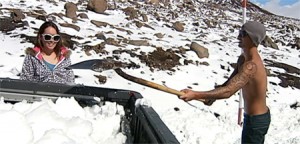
239	63
237	82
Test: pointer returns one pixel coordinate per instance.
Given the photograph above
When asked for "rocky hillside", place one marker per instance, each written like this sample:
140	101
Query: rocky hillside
147	18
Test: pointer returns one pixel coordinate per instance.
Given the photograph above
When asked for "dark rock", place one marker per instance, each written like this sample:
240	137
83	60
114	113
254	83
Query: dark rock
204	63
145	17
297	44
268	42
159	35
7	24
31	39
295	105
210	23
17	15
83	15
222	67
196	24
160	59
75	27
99	23
100	36
286	67
224	39
187	62
101	79
131	12
99	48
289	80
273	83
286	79
124	30
153	2
112	41
138	24
216	114
41	17
178	26
139	42
268	71
67	41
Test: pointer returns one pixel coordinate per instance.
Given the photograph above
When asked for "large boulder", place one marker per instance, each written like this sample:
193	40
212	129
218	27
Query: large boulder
71	9
201	51
7	24
98	6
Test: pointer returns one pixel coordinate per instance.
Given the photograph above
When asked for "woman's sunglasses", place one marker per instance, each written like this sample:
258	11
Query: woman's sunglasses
49	37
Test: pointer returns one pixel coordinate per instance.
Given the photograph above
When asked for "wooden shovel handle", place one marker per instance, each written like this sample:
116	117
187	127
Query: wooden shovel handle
149	84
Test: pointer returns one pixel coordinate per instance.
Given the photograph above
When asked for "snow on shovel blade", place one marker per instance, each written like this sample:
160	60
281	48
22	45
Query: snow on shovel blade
98	65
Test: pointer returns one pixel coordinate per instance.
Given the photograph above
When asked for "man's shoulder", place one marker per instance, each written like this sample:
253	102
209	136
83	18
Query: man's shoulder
249	68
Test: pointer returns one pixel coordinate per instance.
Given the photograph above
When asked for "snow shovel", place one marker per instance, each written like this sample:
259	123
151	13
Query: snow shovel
106	64
157	86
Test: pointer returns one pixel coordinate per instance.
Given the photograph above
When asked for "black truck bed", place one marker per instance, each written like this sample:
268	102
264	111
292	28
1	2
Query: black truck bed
142	122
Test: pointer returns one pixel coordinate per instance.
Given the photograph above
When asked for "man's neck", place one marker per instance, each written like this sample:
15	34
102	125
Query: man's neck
249	53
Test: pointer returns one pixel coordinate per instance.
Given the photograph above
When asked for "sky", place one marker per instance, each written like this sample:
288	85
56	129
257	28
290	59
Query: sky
190	125
289	8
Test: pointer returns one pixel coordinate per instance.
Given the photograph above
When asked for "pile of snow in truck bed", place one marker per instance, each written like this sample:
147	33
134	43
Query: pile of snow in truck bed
62	122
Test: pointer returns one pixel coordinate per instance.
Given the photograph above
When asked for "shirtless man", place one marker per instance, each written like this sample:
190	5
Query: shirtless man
250	76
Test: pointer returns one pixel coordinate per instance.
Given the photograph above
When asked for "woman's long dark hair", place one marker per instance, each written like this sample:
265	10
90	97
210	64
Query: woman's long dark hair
42	30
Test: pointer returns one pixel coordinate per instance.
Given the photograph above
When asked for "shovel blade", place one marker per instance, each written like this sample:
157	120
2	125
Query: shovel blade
88	64
98	65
